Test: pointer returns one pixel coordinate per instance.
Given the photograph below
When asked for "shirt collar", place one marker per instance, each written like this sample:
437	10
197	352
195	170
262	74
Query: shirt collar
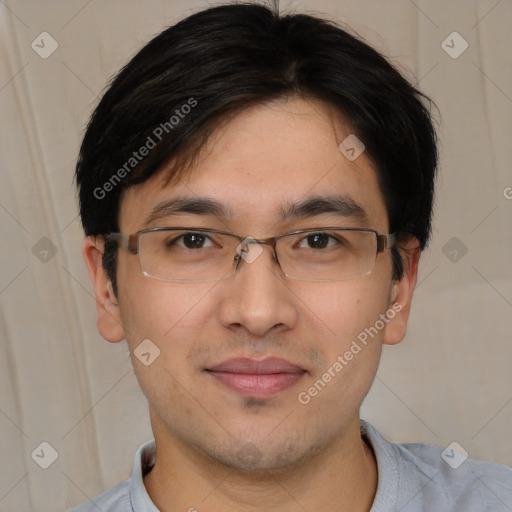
387	467
144	461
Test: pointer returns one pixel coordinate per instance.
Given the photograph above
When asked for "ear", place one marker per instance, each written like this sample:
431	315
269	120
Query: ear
401	293
109	317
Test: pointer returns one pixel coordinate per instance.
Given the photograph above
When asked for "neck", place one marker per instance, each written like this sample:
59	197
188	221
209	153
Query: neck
340	478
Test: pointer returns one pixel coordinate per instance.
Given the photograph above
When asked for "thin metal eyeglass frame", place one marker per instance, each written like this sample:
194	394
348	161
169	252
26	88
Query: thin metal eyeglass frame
131	243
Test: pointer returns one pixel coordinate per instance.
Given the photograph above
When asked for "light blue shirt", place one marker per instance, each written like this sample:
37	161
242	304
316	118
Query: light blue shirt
413	477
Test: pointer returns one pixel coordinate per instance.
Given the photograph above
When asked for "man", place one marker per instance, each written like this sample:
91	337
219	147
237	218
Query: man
255	191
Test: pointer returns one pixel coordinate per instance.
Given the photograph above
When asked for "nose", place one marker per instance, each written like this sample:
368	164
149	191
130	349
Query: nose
257	296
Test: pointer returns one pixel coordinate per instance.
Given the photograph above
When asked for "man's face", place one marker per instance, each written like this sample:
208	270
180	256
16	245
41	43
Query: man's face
266	158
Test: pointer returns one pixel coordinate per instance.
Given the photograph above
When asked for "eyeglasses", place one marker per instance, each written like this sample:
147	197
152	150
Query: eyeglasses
180	254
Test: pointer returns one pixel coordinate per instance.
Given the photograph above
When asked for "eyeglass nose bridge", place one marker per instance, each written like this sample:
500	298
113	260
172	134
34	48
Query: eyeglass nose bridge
242	253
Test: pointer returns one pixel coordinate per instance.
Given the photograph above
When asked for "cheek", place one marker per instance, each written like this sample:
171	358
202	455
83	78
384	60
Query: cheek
344	316
171	315
173	318
343	310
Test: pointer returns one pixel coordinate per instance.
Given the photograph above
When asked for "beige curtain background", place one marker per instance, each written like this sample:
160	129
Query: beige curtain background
61	384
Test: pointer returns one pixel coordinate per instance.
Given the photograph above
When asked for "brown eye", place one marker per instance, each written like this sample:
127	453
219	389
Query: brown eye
190	241
317	241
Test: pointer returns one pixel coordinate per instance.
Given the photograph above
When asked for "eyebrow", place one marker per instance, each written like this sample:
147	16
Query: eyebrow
197	206
340	205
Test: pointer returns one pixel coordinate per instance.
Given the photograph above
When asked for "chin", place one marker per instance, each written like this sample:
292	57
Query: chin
262	456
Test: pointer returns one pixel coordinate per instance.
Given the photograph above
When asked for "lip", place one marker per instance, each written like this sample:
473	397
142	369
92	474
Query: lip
257	378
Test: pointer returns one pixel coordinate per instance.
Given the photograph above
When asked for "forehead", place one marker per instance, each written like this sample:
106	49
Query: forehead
263	162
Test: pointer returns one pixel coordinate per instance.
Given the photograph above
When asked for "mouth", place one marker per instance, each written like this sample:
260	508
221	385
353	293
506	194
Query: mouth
257	379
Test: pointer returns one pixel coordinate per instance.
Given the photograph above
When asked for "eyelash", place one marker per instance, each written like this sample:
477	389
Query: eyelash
177	239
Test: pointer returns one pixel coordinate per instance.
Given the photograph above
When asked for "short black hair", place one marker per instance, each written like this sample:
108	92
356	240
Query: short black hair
204	70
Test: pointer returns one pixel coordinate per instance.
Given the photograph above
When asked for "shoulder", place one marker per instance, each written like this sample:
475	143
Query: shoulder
116	499
463	481
130	493
421	477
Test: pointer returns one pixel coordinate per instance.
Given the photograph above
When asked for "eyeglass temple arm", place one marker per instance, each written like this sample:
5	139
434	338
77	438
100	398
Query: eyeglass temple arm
129	242
385	242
